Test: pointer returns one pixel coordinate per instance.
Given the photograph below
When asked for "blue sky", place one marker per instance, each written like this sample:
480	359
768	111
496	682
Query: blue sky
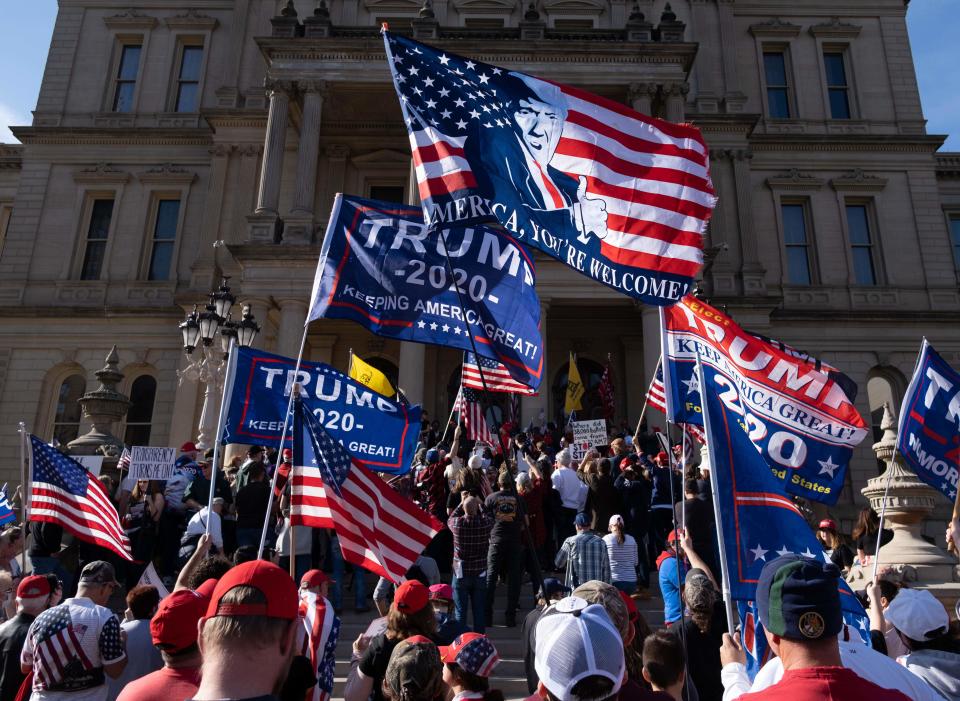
934	26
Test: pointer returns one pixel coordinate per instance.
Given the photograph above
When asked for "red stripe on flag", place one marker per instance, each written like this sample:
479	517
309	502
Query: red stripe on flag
647	261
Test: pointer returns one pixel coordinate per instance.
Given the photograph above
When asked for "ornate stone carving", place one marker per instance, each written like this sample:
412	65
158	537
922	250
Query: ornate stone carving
167	173
191	19
836	29
100	173
793	179
131	19
102	407
856	179
775	27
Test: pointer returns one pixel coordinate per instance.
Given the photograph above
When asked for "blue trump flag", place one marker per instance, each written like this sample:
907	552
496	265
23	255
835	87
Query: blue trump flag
928	437
377	431
618	196
382	268
760	521
6	511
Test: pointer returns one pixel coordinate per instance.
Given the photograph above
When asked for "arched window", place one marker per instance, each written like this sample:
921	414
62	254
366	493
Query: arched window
143	392
591	373
885	385
66	421
386	366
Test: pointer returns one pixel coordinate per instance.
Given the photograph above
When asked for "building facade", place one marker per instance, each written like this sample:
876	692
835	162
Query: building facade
163	127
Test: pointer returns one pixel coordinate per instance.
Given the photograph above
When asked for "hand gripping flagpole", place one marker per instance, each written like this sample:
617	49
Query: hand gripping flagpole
224	398
721	543
294	391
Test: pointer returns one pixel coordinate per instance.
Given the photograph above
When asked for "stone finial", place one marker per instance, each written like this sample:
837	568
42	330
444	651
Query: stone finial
289	10
321	10
635	14
532	15
426	10
670	28
668	14
638	28
103	407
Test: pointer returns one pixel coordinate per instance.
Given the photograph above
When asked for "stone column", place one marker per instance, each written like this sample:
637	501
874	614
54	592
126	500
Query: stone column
752	272
299	225
640	96
633	386
411	371
293	312
676	97
269	194
532	405
334	180
321	347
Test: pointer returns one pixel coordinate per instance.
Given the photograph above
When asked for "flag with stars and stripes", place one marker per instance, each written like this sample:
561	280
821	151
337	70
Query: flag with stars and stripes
607	394
656	395
471	414
760	521
496	375
378	529
621	197
64	492
320	632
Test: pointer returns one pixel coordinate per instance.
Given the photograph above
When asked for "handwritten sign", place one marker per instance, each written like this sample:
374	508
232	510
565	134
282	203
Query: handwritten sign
148	463
587	435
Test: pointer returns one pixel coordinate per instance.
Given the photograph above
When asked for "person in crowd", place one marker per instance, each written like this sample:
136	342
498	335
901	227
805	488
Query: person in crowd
197	494
255	456
142	657
448	627
623	555
198	525
568	635
302	537
665	490
924	627
839	552
424	570
11	545
883	636
175	514
505	554
467	666
552	591
231	470
251	505
44	552
358	582
414	672
798	601
635	491
573	495
703	483
409	615
317	614
142	525
603	499
673	565
663	665
531	489
865	535
633	650
953	534
102	642
248	636
173	631
8	596
584	555
33	598
695	515
702	634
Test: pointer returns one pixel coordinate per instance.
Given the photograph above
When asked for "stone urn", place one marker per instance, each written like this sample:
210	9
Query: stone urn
103	408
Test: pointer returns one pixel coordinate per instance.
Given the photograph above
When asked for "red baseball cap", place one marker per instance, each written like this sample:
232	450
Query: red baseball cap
33	586
276	586
441	591
174	626
672	537
206	589
411	596
473	652
828	524
632	612
188	447
287	454
314	578
662	455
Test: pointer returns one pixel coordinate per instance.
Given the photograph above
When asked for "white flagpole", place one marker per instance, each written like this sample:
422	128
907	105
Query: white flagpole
283	436
224	398
24	492
450	418
721	544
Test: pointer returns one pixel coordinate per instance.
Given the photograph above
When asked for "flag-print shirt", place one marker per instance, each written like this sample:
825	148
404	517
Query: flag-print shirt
68	646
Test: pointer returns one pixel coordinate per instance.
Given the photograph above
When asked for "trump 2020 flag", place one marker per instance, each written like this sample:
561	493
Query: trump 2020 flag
760	522
381	267
6	512
928	437
618	196
799	416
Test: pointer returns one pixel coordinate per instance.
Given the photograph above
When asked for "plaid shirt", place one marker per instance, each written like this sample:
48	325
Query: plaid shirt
585	556
471	538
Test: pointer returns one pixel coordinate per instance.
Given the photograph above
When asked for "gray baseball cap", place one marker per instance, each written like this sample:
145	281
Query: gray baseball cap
98	572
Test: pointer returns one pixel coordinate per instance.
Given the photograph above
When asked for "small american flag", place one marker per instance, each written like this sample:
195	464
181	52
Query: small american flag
123	464
378	529
471	413
321	632
64	492
495	374
606	394
656	396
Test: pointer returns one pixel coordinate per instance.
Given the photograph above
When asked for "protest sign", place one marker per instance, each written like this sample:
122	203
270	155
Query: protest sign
796	411
587	435
376	430
93	463
151	578
147	463
383	269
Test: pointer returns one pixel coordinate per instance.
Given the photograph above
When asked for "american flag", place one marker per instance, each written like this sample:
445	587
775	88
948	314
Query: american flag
321	628
656	396
378	529
58	655
606	394
64	492
652	176
123	464
696	433
496	375
471	413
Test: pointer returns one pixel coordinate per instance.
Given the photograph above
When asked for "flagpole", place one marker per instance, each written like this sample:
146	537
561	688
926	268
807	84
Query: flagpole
283	436
721	543
452	409
224	398
23	492
643	411
883	513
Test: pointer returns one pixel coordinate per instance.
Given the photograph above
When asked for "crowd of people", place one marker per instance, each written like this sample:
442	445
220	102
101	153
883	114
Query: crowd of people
586	535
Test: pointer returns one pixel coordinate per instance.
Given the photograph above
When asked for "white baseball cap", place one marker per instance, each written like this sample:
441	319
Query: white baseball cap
576	640
918	615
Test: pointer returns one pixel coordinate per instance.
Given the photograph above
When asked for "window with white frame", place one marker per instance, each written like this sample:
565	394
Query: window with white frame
838	83
188	78
164	239
95	244
128	68
66	418
776	63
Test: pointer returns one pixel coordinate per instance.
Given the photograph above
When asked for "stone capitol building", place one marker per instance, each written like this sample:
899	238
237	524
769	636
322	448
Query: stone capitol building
163	127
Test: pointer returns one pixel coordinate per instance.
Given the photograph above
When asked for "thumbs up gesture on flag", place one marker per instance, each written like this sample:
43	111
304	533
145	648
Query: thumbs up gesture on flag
590	214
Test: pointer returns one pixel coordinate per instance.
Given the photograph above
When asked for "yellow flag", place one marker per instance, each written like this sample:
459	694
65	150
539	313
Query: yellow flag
574	388
366	374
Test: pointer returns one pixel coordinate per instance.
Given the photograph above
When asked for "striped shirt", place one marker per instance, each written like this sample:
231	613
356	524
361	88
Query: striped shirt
623	557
